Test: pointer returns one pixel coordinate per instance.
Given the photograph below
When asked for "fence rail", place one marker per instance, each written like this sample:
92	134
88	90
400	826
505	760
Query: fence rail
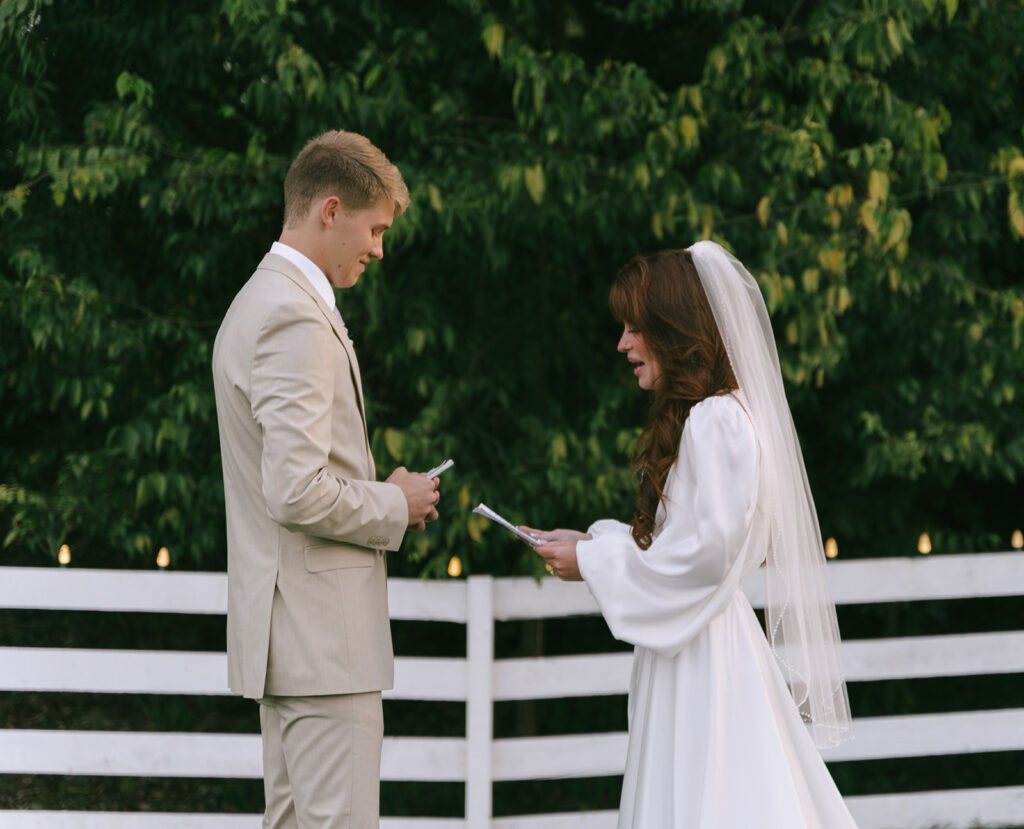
479	680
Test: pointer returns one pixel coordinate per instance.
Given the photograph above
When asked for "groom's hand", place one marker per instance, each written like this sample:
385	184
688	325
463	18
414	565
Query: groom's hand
421	494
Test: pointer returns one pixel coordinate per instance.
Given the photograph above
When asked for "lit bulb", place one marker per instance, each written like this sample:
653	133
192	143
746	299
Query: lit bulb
924	544
1017	539
455	567
831	548
163	558
64	555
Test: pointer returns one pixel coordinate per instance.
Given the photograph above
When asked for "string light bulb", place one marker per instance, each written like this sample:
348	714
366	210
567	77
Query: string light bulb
163	558
924	544
64	555
831	548
455	567
1017	540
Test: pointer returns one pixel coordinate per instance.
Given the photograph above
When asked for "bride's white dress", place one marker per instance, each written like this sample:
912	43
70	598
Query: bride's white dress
715	739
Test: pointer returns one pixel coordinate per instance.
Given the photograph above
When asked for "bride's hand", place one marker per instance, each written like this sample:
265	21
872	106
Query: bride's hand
555	535
560	557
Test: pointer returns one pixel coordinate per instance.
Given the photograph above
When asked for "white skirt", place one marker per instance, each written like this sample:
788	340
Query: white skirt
716	741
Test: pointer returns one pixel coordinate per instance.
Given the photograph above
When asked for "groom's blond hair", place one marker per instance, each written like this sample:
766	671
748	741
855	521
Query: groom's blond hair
346	165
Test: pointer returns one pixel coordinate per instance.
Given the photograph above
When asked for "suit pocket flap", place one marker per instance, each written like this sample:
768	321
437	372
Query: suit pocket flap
337	557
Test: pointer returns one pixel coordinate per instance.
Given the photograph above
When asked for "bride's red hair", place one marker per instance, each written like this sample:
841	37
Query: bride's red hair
660	295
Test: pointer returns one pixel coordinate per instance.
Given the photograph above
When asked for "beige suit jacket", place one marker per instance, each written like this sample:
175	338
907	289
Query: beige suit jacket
307	522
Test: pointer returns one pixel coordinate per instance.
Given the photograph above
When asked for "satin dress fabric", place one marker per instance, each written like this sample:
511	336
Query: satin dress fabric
715	738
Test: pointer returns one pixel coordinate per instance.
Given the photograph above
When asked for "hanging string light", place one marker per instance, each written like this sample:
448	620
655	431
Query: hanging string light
455	567
924	544
1017	540
163	558
64	555
831	548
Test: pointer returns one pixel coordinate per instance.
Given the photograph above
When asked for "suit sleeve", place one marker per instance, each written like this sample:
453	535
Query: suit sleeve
292	390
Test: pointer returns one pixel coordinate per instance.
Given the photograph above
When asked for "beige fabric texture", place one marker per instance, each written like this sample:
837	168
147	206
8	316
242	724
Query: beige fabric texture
321	761
307	522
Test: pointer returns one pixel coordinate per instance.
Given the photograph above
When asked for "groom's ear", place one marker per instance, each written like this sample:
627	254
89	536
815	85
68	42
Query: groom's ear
328	207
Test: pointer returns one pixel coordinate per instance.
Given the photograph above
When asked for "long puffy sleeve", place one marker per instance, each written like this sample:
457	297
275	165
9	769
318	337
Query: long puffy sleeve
660	598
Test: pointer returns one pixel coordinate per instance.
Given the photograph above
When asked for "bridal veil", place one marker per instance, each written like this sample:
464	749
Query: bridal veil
801	616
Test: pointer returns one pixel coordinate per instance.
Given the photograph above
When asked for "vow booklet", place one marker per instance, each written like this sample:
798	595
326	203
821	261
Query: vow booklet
444	467
487	512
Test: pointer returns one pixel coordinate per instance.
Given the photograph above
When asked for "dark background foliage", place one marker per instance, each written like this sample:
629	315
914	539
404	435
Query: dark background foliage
863	158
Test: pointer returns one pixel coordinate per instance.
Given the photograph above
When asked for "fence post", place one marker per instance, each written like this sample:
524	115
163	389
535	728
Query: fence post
479	704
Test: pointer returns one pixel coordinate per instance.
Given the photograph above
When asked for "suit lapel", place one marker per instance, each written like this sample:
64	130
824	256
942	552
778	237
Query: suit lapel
353	363
342	334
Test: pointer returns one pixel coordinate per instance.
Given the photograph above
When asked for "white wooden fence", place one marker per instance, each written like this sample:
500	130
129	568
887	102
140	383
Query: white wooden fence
479	680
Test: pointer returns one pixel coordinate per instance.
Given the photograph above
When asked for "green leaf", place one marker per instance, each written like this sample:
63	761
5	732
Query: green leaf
394	441
372	76
1013	207
494	39
688	130
534	180
434	196
763	210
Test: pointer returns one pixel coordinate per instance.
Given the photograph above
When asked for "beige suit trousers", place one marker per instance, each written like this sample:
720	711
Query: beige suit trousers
321	761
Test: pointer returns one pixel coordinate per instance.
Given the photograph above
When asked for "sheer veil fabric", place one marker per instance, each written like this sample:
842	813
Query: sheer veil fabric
801	618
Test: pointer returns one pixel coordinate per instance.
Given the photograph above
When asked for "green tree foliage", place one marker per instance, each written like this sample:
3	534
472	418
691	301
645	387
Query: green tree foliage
863	158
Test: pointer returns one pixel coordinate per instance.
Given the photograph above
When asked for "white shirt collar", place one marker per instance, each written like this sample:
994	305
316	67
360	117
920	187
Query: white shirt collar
309	270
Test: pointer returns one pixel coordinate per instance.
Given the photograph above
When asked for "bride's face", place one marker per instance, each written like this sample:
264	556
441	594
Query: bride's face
645	367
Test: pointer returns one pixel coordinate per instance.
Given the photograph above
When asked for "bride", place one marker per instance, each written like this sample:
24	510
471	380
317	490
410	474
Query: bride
723	721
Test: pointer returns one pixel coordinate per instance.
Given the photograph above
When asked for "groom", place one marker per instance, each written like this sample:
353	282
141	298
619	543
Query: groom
308	523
